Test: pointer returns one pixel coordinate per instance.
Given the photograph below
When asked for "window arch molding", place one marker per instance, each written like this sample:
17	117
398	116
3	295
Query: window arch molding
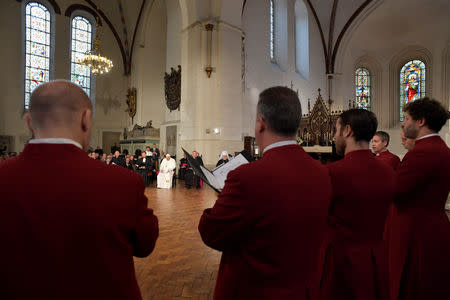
92	19
52	3
84	11
50	6
374	68
280	34
396	64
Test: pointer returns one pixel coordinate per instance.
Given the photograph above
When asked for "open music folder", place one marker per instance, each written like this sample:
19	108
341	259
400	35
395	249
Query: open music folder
216	178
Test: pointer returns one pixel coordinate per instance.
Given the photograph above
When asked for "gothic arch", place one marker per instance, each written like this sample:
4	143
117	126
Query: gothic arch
395	65
347	37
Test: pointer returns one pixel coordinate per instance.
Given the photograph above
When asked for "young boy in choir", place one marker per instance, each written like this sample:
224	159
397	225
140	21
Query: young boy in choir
380	141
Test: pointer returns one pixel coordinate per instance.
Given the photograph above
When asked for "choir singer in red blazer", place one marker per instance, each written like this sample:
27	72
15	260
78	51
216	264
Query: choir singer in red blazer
363	188
418	230
380	141
270	218
69	225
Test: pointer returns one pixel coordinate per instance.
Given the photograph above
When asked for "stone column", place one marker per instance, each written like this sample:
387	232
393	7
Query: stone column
211	106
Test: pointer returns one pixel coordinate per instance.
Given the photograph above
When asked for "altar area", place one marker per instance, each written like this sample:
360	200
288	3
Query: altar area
317	129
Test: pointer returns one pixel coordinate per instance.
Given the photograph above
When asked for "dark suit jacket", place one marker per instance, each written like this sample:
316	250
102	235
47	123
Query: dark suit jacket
70	228
356	261
269	222
389	158
148	164
119	161
418	229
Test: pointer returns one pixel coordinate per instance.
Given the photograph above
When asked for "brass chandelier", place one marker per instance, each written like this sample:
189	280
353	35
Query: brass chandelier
94	60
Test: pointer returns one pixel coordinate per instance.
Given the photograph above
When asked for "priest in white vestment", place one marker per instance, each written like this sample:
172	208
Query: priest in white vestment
166	170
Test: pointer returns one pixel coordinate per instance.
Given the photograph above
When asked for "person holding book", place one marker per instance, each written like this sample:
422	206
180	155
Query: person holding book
269	233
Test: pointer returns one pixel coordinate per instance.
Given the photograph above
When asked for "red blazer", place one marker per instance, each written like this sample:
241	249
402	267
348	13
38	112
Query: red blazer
418	230
70	225
356	258
389	158
269	222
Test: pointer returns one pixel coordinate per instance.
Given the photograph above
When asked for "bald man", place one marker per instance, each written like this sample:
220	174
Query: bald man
62	236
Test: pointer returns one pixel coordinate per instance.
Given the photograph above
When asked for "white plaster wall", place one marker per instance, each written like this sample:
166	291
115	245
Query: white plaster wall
173	50
149	65
260	73
382	35
110	89
173	59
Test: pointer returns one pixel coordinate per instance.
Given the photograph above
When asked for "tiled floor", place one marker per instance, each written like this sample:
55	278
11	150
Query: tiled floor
181	266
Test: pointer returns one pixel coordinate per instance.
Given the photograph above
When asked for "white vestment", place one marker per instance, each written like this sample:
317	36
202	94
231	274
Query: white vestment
165	175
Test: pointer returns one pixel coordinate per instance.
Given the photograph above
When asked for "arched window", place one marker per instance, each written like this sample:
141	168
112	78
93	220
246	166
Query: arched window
272	30
38	47
81	42
412	83
301	39
363	90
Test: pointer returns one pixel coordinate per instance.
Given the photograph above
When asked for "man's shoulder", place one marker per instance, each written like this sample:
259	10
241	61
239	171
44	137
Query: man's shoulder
111	173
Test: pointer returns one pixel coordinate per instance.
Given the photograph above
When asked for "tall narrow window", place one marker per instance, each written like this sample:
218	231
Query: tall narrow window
412	83
81	43
362	88
37	47
272	30
301	39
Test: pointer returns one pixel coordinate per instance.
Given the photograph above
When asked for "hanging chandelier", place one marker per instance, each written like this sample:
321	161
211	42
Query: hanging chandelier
94	60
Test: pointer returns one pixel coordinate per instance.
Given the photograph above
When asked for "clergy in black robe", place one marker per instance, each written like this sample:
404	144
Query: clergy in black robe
128	164
155	152
118	159
184	165
190	178
144	166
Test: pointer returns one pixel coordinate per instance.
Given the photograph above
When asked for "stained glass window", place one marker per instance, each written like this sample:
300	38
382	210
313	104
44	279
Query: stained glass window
362	88
37	47
272	30
412	83
81	43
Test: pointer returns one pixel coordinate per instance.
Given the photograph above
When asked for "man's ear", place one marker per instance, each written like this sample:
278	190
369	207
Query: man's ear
27	118
86	120
348	131
421	122
260	124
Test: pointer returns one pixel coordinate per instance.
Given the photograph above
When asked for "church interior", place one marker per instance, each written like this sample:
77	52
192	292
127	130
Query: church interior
187	74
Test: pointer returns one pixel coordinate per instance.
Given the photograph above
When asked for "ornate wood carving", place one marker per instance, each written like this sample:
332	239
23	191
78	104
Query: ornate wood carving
317	127
131	102
172	88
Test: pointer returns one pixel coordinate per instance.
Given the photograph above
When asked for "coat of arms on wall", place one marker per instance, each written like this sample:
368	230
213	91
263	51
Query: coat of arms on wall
172	88
131	102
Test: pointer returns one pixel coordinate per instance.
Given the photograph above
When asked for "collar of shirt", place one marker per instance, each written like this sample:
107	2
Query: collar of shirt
280	144
384	151
55	141
428	135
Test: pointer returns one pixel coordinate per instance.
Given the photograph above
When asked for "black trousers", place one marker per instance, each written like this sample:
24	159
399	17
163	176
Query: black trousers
190	179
